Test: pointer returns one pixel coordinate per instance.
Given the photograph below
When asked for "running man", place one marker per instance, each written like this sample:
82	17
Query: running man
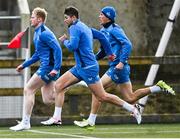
119	69
49	53
86	68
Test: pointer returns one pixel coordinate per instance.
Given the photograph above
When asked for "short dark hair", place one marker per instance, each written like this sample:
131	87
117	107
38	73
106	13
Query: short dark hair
71	11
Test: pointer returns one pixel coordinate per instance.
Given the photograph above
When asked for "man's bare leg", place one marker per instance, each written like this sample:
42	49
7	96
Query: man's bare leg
61	86
29	97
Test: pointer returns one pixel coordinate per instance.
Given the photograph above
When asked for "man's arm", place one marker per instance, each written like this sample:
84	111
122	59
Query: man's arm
105	48
100	54
119	35
30	61
103	41
73	42
52	42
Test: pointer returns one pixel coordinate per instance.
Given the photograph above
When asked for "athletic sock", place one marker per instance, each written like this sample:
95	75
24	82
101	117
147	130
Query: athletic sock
128	106
57	113
92	119
26	119
142	102
155	89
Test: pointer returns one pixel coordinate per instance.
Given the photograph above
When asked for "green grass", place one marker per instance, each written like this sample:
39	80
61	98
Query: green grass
101	131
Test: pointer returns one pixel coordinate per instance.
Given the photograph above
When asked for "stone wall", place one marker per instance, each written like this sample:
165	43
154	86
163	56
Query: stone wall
142	20
131	16
158	13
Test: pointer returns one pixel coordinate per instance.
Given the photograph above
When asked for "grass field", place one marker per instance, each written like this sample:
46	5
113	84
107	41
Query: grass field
101	131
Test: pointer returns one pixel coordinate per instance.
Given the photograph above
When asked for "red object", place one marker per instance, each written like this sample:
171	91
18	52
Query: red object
112	57
17	40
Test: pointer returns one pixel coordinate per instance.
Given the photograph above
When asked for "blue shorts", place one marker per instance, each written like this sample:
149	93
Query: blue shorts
119	76
90	75
44	75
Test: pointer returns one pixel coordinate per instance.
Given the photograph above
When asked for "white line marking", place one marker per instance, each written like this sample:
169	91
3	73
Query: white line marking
120	128
139	132
53	133
135	128
99	128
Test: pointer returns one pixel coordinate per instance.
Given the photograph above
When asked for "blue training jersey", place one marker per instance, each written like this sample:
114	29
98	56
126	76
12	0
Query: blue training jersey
120	44
47	50
81	43
105	45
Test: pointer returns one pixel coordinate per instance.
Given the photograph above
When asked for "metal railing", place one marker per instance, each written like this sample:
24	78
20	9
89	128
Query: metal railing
7	110
4	43
9	17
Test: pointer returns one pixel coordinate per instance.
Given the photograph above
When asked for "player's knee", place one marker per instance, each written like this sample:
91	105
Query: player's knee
27	91
58	87
99	99
103	97
130	100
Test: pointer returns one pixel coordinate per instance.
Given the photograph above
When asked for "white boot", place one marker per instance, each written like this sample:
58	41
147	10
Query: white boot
20	126
51	121
137	115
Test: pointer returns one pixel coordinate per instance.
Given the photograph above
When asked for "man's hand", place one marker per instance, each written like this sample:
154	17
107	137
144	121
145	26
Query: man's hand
53	73
63	37
112	57
19	68
119	66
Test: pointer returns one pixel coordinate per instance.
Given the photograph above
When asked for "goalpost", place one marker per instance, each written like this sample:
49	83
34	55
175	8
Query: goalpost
162	46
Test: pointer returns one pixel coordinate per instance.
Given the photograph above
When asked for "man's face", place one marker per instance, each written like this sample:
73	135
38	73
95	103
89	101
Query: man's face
103	19
35	20
68	20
